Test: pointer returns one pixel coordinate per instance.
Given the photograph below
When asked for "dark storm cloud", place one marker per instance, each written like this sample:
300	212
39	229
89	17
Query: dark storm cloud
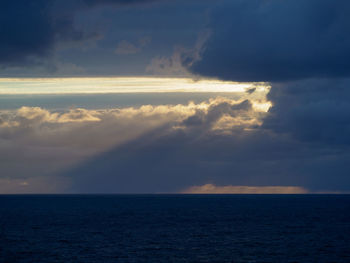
273	40
303	49
29	30
114	2
26	29
312	110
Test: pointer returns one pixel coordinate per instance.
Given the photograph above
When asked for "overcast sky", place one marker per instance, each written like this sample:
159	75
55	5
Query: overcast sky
174	96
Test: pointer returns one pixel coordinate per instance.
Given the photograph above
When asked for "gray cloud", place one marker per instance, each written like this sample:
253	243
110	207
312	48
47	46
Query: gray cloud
314	110
32	30
180	60
272	40
126	48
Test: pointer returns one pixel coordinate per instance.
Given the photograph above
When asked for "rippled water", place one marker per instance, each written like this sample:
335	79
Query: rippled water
175	228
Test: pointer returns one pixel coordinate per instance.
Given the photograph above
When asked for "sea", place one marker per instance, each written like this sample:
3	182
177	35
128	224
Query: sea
174	228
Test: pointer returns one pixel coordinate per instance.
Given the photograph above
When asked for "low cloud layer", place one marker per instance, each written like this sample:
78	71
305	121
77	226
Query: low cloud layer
34	185
232	189
36	142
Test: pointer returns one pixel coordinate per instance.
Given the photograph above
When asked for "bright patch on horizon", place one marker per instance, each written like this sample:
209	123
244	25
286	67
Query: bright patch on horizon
122	85
233	189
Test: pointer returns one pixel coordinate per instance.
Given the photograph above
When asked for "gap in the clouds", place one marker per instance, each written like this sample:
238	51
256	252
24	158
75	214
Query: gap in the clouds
122	85
108	101
119	92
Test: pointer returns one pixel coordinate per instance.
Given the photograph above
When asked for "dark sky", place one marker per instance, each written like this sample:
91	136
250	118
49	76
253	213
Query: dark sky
301	48
96	38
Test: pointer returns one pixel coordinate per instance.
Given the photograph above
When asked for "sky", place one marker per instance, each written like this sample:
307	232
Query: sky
160	96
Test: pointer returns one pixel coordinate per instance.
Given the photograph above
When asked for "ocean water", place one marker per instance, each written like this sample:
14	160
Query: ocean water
175	228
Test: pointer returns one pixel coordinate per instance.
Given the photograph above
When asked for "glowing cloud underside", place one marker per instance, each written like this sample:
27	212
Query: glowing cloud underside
122	85
232	189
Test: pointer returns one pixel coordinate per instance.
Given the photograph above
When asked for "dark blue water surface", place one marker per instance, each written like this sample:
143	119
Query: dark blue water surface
175	228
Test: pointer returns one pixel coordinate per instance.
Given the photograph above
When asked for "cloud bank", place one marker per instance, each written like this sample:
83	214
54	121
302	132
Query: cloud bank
36	142
232	189
165	148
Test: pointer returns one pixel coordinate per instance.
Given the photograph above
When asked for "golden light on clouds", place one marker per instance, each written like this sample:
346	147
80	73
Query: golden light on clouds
233	189
262	106
122	85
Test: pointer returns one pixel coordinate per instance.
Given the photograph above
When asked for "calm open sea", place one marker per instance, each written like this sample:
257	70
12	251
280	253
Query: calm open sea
175	228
